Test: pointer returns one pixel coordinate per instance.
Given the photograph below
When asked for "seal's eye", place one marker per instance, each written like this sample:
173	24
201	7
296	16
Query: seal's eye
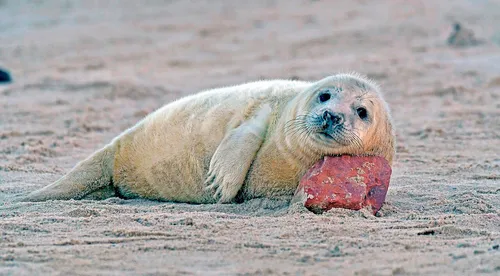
324	96
362	113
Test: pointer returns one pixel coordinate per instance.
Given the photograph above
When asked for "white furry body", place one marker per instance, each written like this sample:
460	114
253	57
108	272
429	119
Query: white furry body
167	156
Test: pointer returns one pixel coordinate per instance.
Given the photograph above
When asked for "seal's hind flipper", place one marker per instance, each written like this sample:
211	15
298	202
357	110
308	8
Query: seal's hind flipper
88	176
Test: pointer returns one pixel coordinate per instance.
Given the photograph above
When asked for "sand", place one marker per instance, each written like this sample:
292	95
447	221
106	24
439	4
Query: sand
86	70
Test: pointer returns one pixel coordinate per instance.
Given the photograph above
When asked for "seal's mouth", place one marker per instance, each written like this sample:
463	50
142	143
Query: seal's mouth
340	135
326	134
333	138
333	132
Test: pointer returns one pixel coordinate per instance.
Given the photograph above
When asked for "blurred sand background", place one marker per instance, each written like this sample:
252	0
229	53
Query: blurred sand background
86	70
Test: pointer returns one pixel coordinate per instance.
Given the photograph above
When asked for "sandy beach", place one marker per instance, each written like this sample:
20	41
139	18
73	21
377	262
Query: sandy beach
84	71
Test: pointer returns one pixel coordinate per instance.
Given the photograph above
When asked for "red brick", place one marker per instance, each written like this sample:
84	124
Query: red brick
350	182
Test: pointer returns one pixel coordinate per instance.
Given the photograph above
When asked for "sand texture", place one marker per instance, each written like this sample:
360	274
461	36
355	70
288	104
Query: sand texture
84	71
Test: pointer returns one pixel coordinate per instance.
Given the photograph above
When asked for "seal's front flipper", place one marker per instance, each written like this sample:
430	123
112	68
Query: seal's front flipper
232	159
88	176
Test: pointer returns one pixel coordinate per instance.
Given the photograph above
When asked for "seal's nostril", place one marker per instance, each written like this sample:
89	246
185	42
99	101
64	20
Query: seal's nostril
327	115
337	119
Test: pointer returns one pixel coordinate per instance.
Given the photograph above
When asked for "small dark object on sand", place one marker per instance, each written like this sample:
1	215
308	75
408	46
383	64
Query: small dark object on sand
462	37
4	76
426	233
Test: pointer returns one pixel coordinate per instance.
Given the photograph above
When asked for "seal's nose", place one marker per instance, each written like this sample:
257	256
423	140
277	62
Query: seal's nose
332	119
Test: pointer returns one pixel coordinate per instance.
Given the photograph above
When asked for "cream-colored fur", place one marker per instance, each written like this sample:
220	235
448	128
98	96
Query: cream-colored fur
229	144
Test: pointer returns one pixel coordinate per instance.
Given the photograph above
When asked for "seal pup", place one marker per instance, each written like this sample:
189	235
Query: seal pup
235	143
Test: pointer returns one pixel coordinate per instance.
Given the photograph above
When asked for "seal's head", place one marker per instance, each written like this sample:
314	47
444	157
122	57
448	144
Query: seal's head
345	114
